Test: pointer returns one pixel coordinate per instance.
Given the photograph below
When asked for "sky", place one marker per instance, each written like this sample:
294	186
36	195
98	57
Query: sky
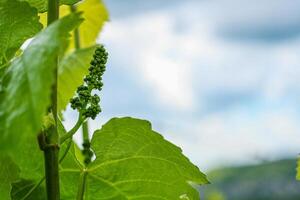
219	78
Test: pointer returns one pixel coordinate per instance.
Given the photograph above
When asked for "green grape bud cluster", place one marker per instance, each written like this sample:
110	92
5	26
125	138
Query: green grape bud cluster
86	103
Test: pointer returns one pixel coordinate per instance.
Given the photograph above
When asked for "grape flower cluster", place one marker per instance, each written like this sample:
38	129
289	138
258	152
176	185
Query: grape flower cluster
86	103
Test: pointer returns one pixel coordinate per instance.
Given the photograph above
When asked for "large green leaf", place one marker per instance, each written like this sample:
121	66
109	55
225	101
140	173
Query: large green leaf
26	96
72	69
42	5
8	173
133	162
18	22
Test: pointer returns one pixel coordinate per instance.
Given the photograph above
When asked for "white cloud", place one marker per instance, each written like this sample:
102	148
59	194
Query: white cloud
177	55
151	49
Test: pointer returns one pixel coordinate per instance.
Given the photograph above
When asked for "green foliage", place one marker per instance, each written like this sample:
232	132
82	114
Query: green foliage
133	162
42	5
18	22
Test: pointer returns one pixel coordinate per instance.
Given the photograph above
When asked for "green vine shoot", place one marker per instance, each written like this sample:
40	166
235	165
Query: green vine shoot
49	60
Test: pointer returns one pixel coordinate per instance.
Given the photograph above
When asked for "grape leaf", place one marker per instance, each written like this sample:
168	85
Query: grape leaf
72	69
95	15
26	96
42	5
18	22
8	173
133	162
29	189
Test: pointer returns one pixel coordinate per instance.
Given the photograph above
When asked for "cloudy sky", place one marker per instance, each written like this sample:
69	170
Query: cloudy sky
220	78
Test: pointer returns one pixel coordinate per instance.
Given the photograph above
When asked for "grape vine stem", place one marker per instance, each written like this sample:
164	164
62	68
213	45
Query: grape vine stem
51	151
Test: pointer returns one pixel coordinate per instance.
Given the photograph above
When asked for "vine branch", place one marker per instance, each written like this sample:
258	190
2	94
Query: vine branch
51	138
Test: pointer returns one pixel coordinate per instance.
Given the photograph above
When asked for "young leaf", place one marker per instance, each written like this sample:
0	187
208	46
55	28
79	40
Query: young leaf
72	69
8	173
134	162
42	5
18	22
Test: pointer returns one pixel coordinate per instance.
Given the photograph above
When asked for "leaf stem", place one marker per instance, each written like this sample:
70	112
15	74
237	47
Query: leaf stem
82	184
66	150
70	133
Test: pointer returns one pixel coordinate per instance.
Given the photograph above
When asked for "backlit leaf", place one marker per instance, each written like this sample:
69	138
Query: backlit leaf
134	162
